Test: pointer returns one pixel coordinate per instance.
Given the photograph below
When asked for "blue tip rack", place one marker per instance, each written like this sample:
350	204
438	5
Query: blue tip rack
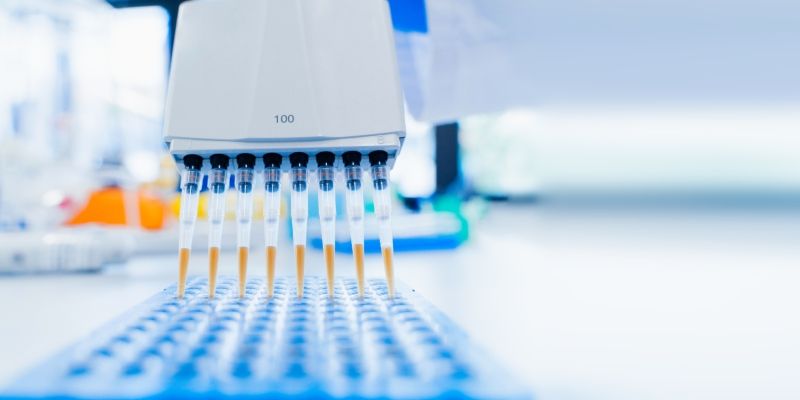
280	347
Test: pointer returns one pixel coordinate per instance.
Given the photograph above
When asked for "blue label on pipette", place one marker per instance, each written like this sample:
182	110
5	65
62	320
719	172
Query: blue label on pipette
409	15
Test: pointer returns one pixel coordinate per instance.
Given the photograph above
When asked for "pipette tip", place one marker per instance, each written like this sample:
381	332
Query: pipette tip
388	263
243	253
183	269
329	258
300	255
358	253
213	264
271	253
190	180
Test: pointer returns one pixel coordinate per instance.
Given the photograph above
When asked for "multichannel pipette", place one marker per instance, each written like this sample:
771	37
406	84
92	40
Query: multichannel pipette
190	193
217	184
299	175
284	105
354	197
383	210
326	199
244	212
272	212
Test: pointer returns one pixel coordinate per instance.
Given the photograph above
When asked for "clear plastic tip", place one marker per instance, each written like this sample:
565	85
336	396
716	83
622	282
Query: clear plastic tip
217	183
354	196
383	210
244	218
244	205
299	175
327	218
272	213
190	193
191	179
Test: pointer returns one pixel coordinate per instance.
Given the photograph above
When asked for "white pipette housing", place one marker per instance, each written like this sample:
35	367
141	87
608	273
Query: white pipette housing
278	76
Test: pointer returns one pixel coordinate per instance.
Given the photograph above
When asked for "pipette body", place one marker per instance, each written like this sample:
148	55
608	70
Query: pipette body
299	177
217	185
272	210
191	179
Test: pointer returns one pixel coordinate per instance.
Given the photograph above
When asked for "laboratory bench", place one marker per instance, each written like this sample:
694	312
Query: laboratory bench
578	302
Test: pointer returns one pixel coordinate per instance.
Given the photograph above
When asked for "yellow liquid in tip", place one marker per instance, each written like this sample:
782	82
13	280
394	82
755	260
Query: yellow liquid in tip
272	252
183	270
388	263
300	257
329	252
243	253
358	254
213	264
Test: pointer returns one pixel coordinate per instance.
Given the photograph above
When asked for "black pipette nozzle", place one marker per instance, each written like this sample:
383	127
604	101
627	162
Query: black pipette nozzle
351	158
192	161
378	157
273	160
220	161
298	160
217	180
246	160
325	158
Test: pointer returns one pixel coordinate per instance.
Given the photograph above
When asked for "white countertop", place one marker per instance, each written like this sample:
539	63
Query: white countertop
580	303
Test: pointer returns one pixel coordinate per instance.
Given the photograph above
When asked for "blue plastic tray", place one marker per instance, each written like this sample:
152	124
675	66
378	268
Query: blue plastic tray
282	347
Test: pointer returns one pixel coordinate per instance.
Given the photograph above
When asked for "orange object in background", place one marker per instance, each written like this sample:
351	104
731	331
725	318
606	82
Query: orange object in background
107	206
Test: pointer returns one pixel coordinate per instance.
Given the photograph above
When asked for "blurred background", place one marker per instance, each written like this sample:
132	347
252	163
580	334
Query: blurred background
626	171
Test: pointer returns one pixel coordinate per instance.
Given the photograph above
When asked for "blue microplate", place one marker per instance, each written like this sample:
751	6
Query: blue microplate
280	347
